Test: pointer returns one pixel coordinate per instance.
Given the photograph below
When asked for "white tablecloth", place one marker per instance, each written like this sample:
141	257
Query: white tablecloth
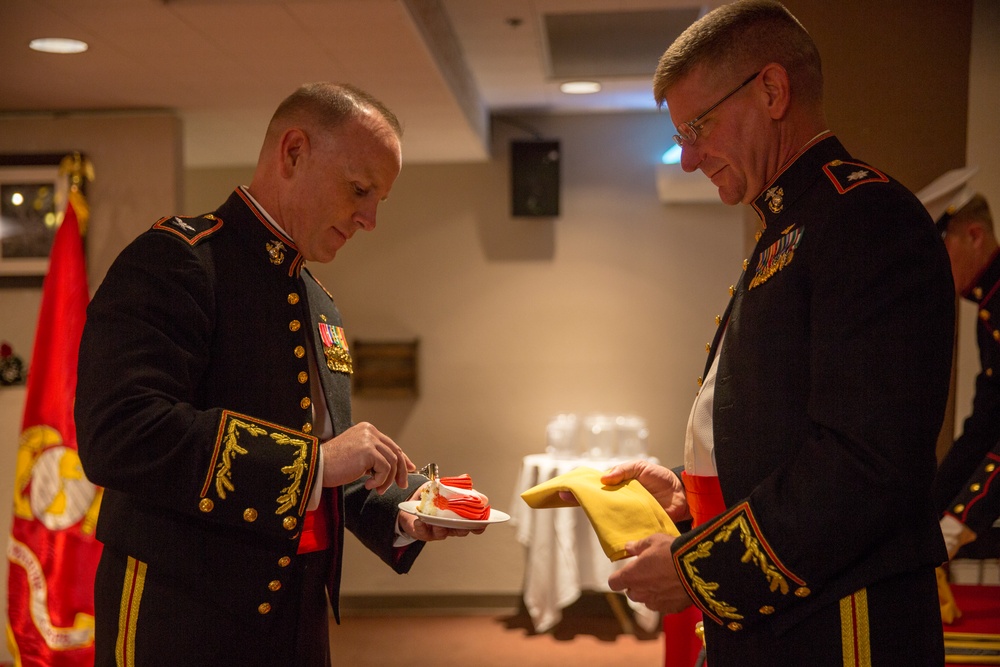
564	556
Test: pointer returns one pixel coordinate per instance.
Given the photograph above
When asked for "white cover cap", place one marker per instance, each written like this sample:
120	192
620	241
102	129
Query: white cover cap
948	193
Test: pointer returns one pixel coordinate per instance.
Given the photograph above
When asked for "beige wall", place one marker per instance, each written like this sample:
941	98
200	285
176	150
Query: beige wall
607	307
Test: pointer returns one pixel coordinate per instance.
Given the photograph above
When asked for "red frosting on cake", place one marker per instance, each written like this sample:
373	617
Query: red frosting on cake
472	505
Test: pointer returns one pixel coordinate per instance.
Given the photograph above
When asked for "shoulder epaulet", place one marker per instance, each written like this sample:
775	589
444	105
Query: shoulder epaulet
193	230
848	175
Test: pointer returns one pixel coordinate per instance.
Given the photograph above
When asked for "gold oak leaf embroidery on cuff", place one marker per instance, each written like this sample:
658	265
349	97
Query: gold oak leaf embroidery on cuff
754	554
295	471
706	589
224	471
290	494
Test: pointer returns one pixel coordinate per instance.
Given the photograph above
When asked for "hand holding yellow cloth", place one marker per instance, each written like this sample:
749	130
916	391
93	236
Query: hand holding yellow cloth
619	514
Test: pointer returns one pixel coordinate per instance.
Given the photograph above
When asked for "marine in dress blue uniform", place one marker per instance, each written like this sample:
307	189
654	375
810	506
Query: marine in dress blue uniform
828	378
195	411
830	391
967	486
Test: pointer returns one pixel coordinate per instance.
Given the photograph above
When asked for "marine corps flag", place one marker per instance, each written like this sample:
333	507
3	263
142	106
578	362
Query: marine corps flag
52	551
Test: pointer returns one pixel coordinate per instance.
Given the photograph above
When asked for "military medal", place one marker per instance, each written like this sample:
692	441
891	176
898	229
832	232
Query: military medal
776	257
338	358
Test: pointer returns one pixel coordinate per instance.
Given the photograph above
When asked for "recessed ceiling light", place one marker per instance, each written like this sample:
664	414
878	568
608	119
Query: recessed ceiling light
580	87
58	45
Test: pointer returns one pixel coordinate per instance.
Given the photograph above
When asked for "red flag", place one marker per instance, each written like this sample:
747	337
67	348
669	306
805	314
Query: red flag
52	551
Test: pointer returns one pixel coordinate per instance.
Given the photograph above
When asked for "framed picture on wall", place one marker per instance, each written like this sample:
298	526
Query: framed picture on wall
32	204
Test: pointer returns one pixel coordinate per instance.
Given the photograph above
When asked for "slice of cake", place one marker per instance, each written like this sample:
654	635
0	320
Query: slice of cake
453	497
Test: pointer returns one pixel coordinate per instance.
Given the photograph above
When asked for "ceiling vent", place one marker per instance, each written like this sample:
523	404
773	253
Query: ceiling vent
612	44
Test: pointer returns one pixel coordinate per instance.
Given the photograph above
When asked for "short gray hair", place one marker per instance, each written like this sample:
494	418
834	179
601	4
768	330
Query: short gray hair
740	38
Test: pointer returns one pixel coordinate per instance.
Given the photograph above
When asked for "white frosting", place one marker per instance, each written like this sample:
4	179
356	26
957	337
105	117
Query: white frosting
434	489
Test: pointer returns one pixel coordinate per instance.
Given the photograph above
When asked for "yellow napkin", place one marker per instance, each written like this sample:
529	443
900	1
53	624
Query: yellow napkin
949	608
619	514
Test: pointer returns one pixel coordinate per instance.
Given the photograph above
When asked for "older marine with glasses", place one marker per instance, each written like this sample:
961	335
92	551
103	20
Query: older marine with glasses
687	133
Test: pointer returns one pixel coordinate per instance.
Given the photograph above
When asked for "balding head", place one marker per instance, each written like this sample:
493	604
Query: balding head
331	154
326	106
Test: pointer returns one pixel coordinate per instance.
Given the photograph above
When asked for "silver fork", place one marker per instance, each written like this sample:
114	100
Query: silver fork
430	471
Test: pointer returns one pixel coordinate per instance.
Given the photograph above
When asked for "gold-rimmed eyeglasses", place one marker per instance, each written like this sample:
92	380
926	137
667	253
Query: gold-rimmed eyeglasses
687	133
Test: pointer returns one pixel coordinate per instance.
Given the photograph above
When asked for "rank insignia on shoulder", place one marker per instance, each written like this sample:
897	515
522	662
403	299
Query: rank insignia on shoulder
338	357
191	229
848	175
777	256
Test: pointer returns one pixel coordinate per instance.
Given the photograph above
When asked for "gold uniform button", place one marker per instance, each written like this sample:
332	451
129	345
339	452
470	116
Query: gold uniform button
996	334
264	608
708	347
700	380
802	592
735	627
206	505
294	325
307	428
274	585
284	561
293	298
984	315
978	293
767	610
746	263
290	522
718	320
975	487
303	377
300	351
305	403
732	290
959	508
249	515
990	467
989	371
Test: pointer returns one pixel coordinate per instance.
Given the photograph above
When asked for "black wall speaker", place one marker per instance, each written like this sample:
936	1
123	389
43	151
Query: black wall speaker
534	168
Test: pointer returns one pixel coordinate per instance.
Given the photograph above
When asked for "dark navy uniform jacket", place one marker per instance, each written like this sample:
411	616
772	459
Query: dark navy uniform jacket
194	408
829	396
968	481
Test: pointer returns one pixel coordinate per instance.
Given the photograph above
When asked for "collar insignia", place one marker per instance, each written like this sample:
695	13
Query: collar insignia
775	199
276	250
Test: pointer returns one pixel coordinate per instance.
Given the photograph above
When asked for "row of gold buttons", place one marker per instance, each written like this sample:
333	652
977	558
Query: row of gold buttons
303	377
274	586
250	515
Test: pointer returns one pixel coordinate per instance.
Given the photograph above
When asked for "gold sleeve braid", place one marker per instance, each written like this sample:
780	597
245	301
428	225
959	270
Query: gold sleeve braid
709	574
275	452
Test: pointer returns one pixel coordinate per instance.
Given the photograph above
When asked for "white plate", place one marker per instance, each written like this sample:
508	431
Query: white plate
496	516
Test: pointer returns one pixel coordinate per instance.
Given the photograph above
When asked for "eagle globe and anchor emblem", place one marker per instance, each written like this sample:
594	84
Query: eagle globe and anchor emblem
51	488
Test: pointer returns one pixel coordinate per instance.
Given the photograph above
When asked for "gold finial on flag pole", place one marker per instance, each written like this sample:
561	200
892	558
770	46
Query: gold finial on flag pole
79	170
